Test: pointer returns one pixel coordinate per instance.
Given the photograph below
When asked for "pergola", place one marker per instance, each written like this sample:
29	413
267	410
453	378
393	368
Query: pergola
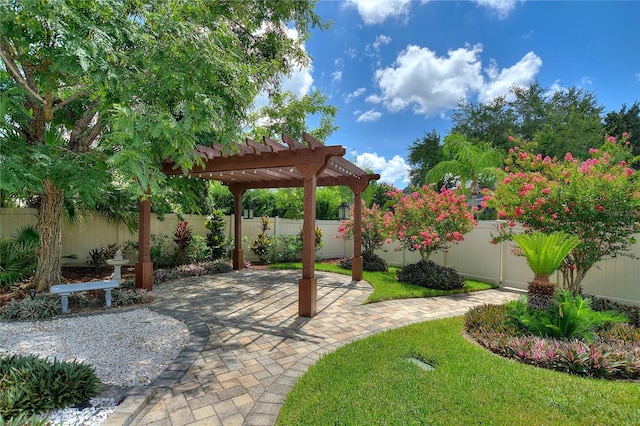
272	164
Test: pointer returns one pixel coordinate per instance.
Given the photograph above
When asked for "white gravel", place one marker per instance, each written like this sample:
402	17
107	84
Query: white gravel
129	348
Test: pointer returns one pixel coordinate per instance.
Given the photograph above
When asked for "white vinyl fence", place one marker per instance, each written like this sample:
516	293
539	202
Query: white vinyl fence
617	279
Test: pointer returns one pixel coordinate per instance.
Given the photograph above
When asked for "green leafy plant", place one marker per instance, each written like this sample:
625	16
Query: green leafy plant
571	317
18	261
370	262
285	248
261	244
41	306
98	257
197	250
431	275
162	251
24	420
30	385
216	241
544	254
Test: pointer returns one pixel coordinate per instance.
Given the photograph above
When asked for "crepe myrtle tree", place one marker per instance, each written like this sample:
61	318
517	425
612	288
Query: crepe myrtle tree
122	85
597	200
427	221
373	230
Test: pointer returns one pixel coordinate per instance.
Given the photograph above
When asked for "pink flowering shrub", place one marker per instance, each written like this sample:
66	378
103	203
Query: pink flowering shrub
427	221
597	199
373	231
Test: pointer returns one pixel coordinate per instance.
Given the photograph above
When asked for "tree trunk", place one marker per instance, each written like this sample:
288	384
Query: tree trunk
50	228
541	292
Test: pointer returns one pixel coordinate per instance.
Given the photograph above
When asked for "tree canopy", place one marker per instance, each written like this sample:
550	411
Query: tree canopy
119	86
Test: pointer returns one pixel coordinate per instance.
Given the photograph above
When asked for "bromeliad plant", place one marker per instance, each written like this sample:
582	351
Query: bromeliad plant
427	221
598	200
544	254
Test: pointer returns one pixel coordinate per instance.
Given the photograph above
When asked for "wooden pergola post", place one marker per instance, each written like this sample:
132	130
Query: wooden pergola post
238	256
144	267
356	264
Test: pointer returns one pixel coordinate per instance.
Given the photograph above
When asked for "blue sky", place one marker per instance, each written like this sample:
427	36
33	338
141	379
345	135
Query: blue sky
396	68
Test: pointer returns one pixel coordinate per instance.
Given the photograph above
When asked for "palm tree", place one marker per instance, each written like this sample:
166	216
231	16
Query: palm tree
469	162
544	254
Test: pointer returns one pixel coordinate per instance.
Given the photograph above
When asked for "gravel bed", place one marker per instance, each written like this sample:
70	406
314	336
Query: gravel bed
128	348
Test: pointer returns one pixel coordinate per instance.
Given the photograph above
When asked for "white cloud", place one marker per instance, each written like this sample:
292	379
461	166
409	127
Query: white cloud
368	116
502	7
336	76
381	40
429	83
637	75
352	53
585	81
520	74
356	93
394	171
377	11
373	99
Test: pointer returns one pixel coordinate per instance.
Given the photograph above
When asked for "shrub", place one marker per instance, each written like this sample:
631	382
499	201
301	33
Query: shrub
216	241
41	306
431	275
370	262
24	420
26	234
194	270
285	248
261	245
122	297
162	251
18	261
602	304
31	385
571	317
197	250
98	257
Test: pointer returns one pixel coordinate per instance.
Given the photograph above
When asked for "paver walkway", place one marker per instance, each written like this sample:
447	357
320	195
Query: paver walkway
239	371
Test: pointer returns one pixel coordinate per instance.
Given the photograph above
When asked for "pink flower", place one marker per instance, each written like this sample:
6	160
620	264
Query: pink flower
568	157
511	138
611	139
546	190
600	209
629	171
625	134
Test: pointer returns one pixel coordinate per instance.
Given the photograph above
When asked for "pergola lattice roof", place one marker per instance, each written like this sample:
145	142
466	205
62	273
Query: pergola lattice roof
274	165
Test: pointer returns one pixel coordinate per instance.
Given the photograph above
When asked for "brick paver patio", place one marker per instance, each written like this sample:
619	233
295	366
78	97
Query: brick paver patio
249	345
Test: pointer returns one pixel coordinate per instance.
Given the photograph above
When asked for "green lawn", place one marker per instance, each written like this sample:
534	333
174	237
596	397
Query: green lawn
385	285
371	382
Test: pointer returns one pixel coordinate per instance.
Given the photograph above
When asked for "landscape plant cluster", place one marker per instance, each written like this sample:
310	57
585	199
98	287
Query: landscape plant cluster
569	337
23	392
280	248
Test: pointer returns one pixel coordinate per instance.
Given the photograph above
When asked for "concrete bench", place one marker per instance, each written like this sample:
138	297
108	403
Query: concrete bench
65	290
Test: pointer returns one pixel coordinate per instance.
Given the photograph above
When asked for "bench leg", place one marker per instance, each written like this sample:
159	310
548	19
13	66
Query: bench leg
107	298
65	303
